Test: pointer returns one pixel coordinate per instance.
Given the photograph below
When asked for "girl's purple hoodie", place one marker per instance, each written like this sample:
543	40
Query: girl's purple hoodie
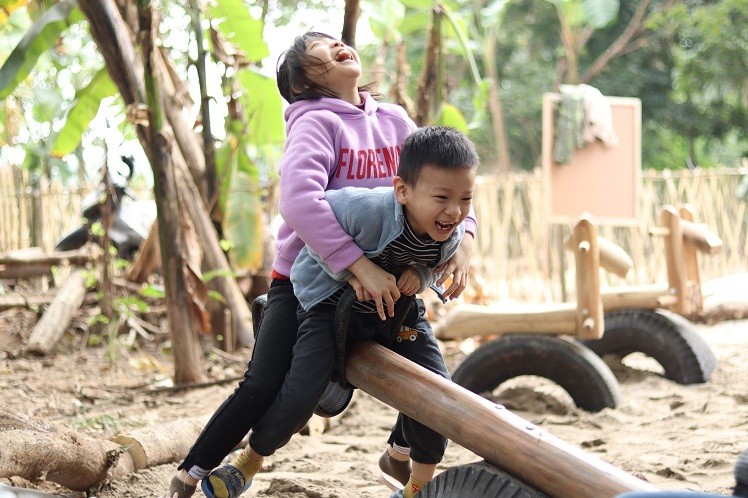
332	144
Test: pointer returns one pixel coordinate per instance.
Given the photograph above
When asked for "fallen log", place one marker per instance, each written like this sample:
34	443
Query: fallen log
59	314
32	262
506	440
44	451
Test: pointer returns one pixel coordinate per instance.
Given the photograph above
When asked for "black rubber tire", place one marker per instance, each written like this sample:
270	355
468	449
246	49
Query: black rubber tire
568	363
73	240
258	312
477	480
334	400
668	338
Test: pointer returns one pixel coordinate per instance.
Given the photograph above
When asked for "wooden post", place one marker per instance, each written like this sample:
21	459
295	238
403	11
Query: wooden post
693	296
489	430
676	276
589	302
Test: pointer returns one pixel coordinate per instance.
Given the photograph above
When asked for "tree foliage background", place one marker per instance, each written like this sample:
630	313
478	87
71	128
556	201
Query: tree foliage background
687	61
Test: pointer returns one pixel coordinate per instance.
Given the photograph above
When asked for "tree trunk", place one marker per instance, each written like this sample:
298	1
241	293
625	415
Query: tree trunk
399	90
187	352
352	13
427	85
119	55
147	258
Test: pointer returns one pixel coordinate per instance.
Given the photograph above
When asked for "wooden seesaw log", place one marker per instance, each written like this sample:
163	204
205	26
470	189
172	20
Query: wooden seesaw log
504	439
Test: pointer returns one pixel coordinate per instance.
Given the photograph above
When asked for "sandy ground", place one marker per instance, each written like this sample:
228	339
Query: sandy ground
675	436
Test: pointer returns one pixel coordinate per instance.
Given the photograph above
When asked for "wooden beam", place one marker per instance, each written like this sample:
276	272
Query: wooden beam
469	320
489	430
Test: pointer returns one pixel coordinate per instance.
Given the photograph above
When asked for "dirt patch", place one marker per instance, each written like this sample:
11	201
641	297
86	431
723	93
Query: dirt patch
677	437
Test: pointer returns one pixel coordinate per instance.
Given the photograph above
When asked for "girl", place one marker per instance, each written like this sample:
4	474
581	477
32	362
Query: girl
337	135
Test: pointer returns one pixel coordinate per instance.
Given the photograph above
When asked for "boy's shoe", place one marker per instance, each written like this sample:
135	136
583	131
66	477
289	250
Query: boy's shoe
397	494
232	478
395	473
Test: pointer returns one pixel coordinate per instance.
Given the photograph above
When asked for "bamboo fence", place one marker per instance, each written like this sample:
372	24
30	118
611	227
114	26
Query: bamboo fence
519	255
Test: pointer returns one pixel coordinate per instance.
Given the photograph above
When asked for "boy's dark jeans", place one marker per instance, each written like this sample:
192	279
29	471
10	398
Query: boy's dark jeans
312	367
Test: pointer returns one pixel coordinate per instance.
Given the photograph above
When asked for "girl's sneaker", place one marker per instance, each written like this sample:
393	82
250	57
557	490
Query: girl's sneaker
179	489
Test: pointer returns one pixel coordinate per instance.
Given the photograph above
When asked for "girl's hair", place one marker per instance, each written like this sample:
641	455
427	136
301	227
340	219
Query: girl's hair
291	72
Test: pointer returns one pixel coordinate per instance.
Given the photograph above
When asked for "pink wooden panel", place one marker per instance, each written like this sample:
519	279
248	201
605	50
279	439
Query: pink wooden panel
601	180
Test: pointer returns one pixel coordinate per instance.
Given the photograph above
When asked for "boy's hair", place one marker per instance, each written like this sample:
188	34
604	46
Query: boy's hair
437	146
291	72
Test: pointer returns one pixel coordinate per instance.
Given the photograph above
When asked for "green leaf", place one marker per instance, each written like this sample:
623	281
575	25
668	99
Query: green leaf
385	18
243	222
241	28
40	38
459	29
216	296
210	275
450	115
239	199
416	22
85	108
264	106
418	4
600	13
480	104
153	291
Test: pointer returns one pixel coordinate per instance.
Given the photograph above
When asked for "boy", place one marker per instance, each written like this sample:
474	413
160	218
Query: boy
408	230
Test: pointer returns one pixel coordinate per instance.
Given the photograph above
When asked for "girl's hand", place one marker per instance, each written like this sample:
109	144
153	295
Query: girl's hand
380	285
457	267
409	282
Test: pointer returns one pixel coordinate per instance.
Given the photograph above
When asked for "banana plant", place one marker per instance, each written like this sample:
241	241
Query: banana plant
255	123
392	20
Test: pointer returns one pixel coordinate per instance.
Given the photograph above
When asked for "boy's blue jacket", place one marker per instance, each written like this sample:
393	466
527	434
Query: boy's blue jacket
374	218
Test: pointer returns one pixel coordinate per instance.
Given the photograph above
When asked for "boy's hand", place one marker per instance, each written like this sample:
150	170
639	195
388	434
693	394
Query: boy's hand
380	285
409	282
457	267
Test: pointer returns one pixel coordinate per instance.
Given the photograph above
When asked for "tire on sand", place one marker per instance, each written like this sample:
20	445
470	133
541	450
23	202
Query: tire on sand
668	338
568	363
477	480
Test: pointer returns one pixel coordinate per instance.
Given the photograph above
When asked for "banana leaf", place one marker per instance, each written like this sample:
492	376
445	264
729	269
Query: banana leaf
240	28
87	103
40	38
239	200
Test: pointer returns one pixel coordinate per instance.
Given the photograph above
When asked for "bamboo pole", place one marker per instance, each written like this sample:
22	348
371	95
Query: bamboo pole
489	430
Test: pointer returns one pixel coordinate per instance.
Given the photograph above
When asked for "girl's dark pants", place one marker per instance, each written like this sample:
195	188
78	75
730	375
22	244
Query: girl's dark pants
271	359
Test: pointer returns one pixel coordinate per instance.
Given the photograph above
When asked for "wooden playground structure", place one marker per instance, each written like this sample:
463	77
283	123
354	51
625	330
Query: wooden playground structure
650	319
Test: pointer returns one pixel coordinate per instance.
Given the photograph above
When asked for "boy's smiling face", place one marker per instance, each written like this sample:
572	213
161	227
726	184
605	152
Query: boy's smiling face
438	202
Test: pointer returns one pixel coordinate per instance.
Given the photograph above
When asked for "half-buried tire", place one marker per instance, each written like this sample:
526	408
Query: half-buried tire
568	363
668	338
477	480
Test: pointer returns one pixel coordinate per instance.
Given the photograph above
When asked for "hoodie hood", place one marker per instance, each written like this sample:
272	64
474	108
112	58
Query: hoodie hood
342	108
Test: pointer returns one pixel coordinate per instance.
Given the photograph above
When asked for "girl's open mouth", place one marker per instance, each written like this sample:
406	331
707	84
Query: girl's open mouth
343	55
444	226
